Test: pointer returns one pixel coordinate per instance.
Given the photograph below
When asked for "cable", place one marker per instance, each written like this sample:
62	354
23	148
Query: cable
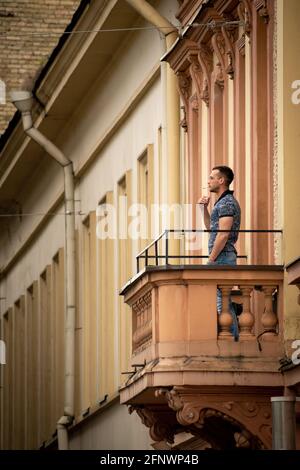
79	32
212	24
42	213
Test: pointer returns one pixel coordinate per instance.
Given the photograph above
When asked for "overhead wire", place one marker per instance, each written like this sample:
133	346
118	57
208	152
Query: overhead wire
211	24
26	214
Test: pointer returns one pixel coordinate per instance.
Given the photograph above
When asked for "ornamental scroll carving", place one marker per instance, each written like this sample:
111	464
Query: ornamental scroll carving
229	39
184	85
206	63
218	45
206	56
262	8
161	422
250	420
195	77
245	15
222	42
196	73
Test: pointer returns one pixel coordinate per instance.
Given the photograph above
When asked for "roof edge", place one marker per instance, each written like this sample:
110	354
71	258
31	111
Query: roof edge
62	40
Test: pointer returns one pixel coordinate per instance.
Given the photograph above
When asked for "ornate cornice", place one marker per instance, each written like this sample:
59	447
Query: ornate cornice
178	57
187	10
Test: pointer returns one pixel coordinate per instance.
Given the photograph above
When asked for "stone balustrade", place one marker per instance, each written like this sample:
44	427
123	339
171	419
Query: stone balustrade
174	310
246	320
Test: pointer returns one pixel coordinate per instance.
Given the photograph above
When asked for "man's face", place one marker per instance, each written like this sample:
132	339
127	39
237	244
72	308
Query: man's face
215	180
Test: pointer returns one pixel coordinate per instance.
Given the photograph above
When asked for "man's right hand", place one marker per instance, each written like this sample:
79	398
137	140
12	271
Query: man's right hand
204	200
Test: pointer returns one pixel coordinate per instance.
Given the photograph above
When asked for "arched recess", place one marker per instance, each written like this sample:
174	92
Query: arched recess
248	413
223	432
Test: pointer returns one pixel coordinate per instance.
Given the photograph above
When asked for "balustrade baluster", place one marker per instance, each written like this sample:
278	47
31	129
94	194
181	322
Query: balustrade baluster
269	319
225	318
246	319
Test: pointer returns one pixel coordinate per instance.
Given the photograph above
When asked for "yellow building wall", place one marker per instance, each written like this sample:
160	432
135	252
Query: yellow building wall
288	70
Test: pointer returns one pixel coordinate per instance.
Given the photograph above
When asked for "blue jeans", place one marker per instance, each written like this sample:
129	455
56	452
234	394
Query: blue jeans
228	257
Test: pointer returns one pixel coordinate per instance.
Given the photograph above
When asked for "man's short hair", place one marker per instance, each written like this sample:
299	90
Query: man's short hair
226	172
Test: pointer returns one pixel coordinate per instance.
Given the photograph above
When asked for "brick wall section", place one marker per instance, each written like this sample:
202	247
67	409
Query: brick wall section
22	54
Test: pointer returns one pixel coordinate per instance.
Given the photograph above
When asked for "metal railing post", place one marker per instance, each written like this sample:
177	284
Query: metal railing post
146	258
167	247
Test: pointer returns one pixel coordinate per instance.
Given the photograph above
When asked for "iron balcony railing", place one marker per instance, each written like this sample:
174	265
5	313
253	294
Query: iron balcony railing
166	256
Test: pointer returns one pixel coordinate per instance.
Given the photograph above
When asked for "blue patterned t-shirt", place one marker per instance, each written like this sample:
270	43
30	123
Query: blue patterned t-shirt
226	206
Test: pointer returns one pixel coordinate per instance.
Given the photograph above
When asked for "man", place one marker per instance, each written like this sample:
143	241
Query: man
225	215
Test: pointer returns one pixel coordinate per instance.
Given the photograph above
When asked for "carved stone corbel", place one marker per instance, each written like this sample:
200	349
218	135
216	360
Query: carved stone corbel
184	86
183	122
194	102
262	8
162	424
206	63
229	50
196	73
244	12
205	92
250	421
241	45
218	45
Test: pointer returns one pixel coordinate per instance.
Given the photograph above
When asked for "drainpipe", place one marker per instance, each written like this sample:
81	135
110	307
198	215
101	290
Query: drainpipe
23	102
170	34
283	423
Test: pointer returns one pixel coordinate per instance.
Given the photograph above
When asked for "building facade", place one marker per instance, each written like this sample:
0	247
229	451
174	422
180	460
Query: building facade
144	104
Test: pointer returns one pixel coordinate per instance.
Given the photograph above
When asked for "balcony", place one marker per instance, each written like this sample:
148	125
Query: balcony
189	375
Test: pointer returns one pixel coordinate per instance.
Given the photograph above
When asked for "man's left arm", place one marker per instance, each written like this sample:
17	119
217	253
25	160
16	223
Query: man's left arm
225	223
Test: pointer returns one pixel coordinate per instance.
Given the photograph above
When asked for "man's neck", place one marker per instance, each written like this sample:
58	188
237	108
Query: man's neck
221	191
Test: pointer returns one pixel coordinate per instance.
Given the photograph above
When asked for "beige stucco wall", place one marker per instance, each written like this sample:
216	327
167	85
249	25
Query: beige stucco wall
79	138
119	155
288	70
114	429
